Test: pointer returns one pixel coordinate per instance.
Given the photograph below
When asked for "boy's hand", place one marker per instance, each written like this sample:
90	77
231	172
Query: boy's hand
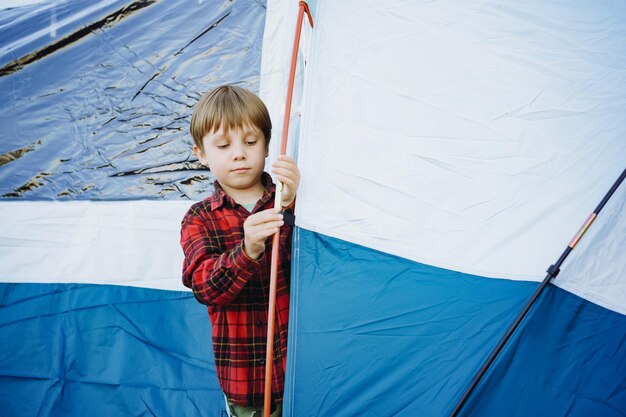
257	228
288	173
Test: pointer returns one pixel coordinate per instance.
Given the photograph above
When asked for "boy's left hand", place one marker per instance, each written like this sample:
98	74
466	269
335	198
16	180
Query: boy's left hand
288	173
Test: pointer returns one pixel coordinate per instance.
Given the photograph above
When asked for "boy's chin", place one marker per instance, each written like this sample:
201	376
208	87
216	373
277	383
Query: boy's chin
242	184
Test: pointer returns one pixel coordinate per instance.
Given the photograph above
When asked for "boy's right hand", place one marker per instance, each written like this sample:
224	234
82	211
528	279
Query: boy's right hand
257	228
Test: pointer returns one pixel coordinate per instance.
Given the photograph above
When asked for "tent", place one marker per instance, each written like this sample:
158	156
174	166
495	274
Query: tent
449	152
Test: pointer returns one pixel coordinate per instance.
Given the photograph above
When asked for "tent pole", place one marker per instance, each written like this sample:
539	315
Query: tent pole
553	271
271	310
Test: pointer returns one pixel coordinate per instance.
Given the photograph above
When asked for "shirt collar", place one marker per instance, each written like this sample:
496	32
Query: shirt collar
220	198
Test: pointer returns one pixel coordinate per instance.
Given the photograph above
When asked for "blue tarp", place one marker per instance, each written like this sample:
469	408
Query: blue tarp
97	96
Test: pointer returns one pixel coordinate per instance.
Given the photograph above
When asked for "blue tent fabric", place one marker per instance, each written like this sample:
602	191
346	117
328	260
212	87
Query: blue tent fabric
374	334
567	359
423	327
105	350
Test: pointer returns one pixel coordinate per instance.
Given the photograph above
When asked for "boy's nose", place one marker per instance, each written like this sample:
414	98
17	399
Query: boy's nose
238	152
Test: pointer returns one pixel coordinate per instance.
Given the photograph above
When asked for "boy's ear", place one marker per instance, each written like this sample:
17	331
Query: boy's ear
200	154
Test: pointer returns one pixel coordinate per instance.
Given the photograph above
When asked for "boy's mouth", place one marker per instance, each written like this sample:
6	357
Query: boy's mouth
240	170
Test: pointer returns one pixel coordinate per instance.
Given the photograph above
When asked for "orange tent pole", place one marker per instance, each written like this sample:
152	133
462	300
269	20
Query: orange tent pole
271	313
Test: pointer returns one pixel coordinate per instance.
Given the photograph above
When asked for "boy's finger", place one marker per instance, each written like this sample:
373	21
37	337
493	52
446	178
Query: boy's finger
265	215
271	232
264	234
287	169
284	172
285	158
289	182
270	225
288	178
259	228
260	221
285	164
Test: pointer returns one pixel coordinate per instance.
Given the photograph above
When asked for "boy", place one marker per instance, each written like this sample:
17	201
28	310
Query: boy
227	253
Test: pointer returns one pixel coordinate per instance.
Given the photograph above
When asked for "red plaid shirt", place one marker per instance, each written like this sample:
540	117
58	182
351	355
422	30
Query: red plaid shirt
235	288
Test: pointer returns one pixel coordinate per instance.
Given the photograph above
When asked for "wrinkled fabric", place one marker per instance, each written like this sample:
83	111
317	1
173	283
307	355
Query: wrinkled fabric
97	96
96	99
450	151
103	350
377	335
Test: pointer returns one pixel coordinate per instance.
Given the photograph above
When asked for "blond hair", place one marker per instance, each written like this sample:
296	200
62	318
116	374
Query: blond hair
229	107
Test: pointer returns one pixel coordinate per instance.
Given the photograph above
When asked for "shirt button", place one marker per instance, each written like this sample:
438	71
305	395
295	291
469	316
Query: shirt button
259	324
261	361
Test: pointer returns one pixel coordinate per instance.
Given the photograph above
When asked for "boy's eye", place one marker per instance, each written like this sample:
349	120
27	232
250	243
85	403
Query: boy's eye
251	142
222	146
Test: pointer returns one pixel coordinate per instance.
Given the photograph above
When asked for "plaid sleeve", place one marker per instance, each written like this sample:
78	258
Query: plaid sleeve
216	276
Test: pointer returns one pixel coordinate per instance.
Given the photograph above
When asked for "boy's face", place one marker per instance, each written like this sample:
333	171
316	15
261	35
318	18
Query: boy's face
236	158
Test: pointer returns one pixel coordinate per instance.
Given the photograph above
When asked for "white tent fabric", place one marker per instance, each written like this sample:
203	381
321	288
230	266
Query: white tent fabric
595	270
492	147
133	243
